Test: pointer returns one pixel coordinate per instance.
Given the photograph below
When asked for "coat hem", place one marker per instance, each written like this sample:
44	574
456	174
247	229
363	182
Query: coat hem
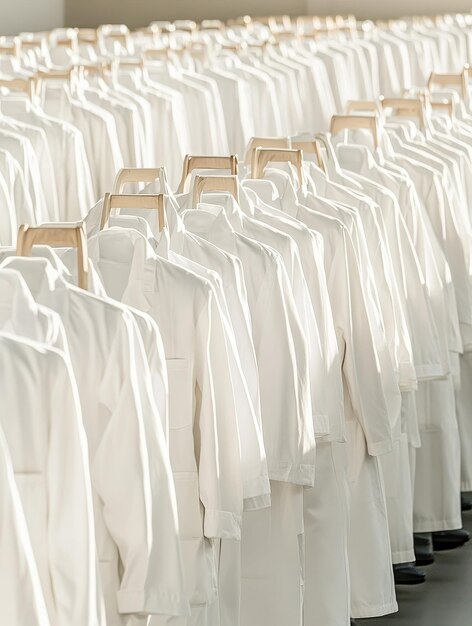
437	525
151	603
374	611
403	556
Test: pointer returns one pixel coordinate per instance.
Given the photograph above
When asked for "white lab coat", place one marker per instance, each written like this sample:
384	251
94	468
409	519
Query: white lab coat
326	505
200	391
283	552
367	420
433	509
121	411
52	476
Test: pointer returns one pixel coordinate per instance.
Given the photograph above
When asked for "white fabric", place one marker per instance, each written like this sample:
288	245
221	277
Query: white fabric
124	405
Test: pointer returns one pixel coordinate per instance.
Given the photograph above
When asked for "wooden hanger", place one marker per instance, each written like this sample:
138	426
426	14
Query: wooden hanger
73	236
11	48
87	35
443	105
192	162
412	107
356	122
211	25
263	156
120	62
310	146
133	201
354	106
90	69
264	142
156	54
138	175
42	76
207	184
452	80
22	85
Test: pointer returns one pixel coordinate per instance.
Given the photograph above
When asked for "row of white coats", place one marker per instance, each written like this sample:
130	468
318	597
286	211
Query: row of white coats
93	126
298	294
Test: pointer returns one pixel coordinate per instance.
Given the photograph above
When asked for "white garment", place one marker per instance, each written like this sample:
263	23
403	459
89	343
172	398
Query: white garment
51	473
367	420
200	392
289	445
18	570
105	330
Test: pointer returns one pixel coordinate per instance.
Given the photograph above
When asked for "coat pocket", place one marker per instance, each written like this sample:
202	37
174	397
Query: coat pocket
180	393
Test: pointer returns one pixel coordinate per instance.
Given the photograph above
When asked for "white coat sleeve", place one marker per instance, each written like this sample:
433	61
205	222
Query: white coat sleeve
125	476
361	367
215	429
284	378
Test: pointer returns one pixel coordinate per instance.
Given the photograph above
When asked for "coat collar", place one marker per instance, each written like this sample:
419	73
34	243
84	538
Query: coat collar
131	249
16	299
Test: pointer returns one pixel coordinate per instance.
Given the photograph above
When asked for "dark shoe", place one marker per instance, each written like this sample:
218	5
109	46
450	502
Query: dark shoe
423	549
466	504
450	539
408	574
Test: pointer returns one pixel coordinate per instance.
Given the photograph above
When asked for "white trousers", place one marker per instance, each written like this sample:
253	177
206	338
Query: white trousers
399	498
436	501
370	560
272	563
464	419
327	593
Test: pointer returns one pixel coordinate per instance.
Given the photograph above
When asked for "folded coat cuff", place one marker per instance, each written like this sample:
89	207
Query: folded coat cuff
380	447
151	603
222	524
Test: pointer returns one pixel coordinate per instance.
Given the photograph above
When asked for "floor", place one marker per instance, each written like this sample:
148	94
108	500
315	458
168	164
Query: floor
446	597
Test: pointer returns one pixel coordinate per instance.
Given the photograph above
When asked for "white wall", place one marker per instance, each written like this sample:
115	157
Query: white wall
374	9
30	15
136	13
22	15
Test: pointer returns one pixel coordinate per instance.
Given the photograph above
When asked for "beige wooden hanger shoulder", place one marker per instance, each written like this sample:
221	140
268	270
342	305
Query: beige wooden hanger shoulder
310	146
356	122
264	142
128	175
22	85
207	184
143	201
156	54
128	63
452	80
87	35
193	162
355	106
70	235
42	76
412	107
263	156
11	48
443	105
212	25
